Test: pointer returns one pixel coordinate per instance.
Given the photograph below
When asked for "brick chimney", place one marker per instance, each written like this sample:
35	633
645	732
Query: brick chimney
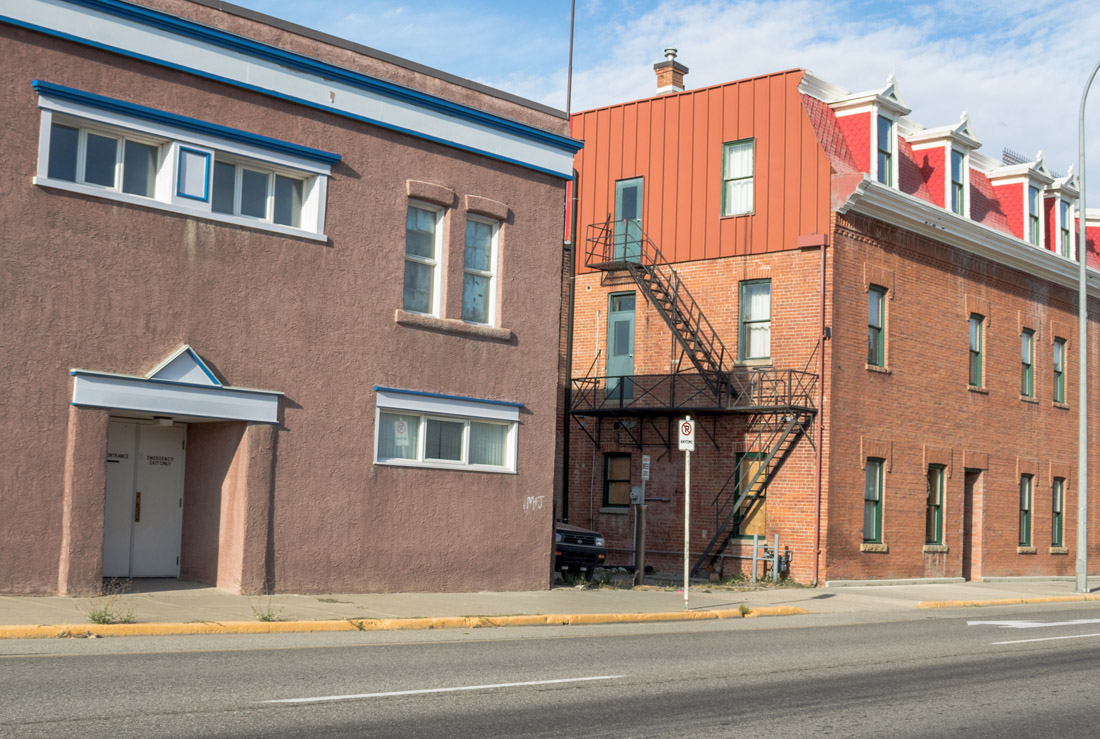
670	74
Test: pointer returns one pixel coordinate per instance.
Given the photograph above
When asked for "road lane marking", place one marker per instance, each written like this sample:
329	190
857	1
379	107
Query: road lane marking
1033	624
330	698
1046	638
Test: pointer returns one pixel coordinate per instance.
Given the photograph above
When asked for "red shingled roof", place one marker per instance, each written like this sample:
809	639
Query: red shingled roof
829	135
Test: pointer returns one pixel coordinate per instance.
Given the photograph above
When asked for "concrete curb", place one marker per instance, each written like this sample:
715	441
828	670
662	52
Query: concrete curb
379	624
1004	601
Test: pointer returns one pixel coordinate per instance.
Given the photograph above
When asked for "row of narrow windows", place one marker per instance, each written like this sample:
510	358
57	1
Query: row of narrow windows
874	501
876	349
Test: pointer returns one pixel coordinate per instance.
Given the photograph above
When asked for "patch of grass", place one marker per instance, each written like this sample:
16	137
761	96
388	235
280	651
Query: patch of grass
333	600
109	606
744	609
575	580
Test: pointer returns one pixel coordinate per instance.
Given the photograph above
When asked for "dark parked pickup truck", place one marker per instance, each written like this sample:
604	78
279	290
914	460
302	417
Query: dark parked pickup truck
577	549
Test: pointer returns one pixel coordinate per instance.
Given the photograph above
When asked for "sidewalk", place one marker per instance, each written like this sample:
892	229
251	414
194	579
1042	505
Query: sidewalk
173	607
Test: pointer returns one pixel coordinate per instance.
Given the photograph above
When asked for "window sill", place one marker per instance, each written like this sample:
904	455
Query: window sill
1025	550
1063	406
737	215
935	549
976	389
766	362
876	368
452	326
182	210
615	510
1059	550
870	546
444	466
1029	399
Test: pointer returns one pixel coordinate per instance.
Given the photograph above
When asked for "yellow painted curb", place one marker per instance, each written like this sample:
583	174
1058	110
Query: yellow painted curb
1004	601
375	624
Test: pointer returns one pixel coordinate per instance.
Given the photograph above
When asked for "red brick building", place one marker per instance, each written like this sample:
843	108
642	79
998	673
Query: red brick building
873	323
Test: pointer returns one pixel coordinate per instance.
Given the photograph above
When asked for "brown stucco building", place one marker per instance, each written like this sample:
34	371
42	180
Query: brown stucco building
873	324
280	311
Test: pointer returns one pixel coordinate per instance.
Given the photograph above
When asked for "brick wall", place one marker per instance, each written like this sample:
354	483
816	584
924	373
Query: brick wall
922	412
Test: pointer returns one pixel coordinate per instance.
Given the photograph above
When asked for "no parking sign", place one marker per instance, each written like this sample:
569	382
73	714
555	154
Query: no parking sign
687	435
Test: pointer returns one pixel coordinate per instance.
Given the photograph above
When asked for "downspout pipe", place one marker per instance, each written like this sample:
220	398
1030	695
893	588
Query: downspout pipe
820	417
567	422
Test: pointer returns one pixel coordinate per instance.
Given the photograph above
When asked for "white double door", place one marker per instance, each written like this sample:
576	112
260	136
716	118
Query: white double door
144	509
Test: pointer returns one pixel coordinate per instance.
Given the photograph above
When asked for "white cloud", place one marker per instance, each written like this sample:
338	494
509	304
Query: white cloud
1017	65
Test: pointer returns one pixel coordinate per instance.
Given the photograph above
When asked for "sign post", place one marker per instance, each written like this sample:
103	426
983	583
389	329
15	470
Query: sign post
639	527
687	446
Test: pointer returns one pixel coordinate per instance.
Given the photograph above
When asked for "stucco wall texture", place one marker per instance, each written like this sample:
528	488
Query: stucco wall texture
99	285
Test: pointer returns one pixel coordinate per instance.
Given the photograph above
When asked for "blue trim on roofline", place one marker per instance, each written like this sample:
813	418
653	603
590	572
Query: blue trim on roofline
289	98
133	110
446	397
302	63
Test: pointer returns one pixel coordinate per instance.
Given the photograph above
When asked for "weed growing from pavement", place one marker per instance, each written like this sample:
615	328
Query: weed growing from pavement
575	580
333	600
744	609
107	607
263	605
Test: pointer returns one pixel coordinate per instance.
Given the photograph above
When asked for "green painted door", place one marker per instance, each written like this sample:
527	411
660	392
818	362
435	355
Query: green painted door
620	345
628	219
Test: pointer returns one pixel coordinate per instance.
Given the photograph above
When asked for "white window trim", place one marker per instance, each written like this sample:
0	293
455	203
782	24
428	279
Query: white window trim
308	183
1041	215
876	113
1071	248
436	263
447	408
725	206
494	269
965	181
170	139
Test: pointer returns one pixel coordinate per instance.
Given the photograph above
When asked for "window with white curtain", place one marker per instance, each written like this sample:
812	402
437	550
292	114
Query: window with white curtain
737	175
438	441
755	336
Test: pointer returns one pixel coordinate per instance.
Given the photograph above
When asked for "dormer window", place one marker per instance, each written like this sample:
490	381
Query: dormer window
958	187
886	144
1034	229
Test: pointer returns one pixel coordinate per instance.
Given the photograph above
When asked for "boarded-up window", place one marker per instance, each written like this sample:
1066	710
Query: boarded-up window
616	488
752	516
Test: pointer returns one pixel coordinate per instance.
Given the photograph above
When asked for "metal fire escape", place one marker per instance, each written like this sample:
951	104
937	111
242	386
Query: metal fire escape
778	403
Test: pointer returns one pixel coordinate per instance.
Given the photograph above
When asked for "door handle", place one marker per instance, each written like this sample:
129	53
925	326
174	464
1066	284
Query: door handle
137	507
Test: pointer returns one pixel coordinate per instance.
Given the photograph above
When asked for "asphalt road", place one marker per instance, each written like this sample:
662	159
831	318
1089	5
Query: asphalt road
1033	672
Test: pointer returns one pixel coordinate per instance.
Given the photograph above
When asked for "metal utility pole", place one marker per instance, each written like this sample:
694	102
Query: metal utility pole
1083	362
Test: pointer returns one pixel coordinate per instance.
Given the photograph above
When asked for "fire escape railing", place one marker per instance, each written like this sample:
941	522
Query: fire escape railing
753	389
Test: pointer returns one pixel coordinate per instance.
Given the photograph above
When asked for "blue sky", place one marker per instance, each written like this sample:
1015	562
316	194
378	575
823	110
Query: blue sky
1017	66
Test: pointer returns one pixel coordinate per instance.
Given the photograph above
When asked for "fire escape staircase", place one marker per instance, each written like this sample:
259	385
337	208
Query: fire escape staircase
622	245
779	402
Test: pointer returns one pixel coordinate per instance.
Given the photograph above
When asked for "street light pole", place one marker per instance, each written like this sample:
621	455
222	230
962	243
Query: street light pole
1083	362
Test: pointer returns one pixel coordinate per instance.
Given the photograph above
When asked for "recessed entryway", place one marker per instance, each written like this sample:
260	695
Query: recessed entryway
143	512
